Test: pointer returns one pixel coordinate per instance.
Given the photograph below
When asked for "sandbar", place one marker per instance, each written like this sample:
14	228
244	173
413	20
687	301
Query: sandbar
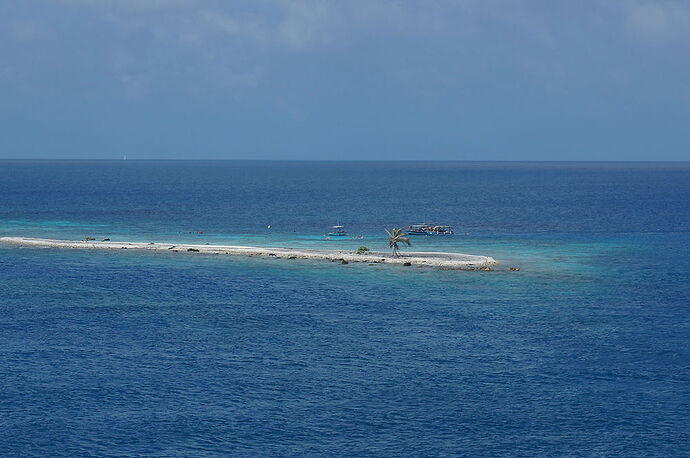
407	258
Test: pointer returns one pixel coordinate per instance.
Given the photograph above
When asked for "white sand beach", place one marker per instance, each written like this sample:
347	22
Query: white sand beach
409	258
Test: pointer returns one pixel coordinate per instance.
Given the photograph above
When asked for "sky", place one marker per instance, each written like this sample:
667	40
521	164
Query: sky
345	79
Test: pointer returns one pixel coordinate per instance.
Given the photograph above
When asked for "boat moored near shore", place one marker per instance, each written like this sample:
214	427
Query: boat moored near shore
440	230
418	229
337	231
429	229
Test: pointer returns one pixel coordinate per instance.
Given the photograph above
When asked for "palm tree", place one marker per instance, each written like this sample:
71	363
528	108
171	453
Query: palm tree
395	237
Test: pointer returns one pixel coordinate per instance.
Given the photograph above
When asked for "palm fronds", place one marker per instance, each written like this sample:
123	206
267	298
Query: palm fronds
395	237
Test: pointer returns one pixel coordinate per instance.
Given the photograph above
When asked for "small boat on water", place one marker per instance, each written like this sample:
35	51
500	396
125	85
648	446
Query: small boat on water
337	231
440	230
418	229
429	229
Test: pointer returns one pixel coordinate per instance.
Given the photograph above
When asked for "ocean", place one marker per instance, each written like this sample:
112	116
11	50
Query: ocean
582	352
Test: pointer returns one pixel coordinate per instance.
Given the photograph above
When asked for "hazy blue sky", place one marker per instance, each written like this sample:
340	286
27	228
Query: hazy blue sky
347	79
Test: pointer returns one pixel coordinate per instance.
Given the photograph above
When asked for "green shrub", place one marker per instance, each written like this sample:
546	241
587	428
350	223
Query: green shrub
362	250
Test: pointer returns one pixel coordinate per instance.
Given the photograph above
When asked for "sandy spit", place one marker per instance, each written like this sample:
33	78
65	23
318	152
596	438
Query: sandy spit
409	258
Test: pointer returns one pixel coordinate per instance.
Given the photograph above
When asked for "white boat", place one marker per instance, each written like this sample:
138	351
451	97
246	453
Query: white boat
429	229
337	231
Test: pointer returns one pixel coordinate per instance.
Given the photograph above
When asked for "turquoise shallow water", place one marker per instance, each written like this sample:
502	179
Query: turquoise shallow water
582	352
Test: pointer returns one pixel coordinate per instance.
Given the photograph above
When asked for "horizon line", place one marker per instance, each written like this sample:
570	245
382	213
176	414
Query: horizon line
609	161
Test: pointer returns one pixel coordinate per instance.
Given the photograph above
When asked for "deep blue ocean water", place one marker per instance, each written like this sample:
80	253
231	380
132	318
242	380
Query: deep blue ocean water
582	352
